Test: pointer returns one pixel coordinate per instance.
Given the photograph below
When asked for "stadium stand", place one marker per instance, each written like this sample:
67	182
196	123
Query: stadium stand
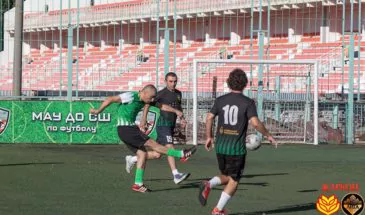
112	66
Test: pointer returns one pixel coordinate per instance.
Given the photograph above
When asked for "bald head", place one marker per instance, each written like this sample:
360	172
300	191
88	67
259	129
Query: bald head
150	88
148	93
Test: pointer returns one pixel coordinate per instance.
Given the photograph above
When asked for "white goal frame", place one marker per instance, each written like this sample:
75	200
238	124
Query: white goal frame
264	62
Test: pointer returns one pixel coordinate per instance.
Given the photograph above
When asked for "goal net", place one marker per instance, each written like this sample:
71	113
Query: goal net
285	92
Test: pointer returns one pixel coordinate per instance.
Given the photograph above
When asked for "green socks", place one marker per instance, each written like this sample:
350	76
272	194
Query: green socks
140	172
175	153
139	176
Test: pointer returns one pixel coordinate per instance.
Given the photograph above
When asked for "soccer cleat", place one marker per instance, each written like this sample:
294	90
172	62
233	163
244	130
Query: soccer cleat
140	188
216	211
129	164
204	190
188	153
178	178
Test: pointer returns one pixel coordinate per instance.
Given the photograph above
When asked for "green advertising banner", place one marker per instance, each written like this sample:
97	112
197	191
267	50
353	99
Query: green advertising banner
62	122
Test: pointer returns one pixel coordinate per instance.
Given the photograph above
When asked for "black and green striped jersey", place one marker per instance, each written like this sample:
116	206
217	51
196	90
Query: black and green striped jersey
234	111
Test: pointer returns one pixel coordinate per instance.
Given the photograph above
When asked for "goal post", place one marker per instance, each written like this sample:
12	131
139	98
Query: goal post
289	100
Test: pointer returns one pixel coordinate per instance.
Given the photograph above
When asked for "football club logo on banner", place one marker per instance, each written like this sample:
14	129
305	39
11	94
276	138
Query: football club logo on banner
4	119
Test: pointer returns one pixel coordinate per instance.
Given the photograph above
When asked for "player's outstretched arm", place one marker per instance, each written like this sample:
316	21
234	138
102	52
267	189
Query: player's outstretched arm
106	103
259	126
208	132
168	108
143	122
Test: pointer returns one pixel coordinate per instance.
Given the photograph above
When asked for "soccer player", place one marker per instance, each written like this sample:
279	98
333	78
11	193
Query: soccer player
130	105
235	111
165	125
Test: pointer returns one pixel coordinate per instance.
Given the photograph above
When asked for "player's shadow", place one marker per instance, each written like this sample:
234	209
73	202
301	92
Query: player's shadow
29	164
243	185
189	185
286	209
194	183
207	178
307	191
261	184
264	174
197	181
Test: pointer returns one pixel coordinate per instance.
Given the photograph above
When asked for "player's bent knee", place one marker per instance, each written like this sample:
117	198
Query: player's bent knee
157	155
234	180
151	143
141	153
170	146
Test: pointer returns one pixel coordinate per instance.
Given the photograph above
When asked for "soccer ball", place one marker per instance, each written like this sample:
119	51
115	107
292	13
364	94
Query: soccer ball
253	142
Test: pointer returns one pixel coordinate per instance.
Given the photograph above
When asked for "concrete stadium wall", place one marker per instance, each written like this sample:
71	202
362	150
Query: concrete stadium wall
300	21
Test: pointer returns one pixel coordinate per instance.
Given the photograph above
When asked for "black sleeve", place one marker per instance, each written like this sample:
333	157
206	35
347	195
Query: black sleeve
251	110
179	102
214	109
159	95
154	104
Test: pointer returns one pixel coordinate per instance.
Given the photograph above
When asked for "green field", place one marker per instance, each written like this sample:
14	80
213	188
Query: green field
68	179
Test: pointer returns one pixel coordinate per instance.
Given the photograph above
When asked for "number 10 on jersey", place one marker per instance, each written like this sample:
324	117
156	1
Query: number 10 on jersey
230	114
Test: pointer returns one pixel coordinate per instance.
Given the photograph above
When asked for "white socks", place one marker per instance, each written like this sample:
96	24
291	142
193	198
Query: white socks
134	159
223	201
175	172
215	181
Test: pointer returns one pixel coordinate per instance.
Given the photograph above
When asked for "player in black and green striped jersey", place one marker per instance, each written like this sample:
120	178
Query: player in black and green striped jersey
131	104
235	111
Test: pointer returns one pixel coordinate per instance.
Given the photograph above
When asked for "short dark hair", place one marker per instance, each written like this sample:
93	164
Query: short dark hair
237	80
170	74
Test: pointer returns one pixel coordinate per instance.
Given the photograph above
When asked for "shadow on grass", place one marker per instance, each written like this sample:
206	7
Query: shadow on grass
265	174
285	209
195	184
188	185
307	191
205	178
29	164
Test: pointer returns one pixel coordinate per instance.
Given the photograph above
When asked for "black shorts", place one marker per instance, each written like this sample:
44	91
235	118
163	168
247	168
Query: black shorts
232	165
165	135
133	137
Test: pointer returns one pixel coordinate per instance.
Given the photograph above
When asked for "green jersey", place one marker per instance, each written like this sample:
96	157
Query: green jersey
129	108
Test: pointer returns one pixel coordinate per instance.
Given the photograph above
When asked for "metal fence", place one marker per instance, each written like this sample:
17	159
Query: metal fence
72	50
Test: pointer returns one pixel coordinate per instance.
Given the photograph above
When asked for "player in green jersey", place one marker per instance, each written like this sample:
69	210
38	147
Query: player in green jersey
130	105
165	125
